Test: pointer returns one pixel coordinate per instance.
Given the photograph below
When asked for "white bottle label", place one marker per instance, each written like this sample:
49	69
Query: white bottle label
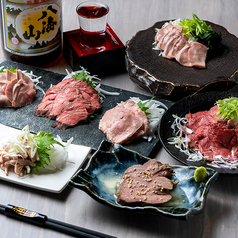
31	28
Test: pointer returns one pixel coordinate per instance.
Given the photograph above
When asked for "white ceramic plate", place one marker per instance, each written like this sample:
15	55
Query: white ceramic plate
50	182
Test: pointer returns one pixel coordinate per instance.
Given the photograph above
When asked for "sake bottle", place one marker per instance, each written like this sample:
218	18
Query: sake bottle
32	30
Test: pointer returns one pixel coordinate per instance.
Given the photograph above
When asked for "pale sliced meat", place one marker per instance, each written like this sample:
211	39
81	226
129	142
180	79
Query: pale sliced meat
131	105
179	29
174	44
124	123
169	47
10	88
3	83
198	54
182	56
10	75
20	90
24	91
174	32
4	102
3	76
178	45
163	31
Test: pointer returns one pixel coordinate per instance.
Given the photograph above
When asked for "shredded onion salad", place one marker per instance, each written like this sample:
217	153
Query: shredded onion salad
26	153
154	111
180	141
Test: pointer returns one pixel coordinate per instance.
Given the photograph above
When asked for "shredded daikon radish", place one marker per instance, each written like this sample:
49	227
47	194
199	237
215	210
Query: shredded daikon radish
180	141
58	157
154	112
97	86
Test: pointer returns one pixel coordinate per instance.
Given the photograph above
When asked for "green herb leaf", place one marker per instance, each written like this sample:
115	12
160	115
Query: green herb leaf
143	106
228	109
10	69
202	32
84	77
45	142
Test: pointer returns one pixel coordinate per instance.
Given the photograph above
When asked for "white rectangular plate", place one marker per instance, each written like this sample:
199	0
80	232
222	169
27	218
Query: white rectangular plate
50	182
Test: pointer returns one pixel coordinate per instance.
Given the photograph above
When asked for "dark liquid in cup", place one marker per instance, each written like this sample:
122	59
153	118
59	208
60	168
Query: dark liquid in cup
92	39
92	11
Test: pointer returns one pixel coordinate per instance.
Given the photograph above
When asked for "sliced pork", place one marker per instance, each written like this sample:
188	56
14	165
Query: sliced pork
161	32
182	56
68	103
124	123
197	55
146	184
16	89
175	45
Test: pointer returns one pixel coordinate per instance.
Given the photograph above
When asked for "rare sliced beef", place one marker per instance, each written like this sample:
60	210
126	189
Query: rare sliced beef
74	112
68	103
147	184
211	136
62	99
124	123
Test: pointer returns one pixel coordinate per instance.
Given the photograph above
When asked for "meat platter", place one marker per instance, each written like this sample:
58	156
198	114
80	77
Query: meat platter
167	78
194	103
86	134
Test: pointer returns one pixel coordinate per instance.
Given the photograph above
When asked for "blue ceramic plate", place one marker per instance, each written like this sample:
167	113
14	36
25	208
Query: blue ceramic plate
105	169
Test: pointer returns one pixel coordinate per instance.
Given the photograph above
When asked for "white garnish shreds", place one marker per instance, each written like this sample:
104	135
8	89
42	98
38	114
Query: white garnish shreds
58	156
155	112
97	86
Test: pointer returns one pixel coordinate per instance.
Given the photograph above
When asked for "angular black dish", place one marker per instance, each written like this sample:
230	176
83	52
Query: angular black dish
167	78
99	179
194	103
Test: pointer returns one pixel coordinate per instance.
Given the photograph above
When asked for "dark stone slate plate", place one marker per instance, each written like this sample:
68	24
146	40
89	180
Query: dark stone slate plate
195	103
99	179
168	79
86	134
